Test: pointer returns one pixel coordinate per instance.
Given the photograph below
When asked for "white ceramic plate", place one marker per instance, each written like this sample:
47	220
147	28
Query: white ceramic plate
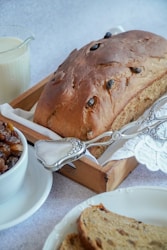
30	198
147	204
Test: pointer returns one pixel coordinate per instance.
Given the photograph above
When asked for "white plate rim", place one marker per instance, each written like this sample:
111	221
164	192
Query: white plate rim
50	244
38	202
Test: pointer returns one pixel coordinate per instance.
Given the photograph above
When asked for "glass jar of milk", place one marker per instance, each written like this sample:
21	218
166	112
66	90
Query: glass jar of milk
14	62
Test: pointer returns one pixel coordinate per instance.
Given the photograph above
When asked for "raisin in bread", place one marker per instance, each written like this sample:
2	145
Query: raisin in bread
104	230
104	85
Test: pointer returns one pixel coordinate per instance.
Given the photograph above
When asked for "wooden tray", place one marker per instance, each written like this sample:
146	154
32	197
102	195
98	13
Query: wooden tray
87	173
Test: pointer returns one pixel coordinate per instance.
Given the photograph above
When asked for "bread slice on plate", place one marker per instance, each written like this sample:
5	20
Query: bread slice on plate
100	229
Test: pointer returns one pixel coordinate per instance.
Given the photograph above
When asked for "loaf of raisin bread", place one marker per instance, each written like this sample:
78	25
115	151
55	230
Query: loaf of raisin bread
102	229
104	85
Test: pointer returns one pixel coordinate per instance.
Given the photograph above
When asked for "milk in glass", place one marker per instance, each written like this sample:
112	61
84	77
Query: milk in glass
14	68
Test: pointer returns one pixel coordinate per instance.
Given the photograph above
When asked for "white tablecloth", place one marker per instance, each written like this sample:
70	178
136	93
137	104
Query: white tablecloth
60	26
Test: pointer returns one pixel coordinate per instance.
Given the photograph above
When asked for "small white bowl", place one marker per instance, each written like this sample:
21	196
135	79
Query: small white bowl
12	180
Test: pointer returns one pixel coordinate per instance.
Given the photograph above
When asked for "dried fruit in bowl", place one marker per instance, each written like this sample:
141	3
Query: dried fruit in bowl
10	146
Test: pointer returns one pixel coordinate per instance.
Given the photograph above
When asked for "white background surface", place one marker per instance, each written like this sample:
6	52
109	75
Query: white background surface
60	26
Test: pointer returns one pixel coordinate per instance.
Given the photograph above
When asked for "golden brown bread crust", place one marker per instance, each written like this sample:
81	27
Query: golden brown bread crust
95	90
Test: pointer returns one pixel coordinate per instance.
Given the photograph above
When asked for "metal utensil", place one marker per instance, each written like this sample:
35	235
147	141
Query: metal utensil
67	150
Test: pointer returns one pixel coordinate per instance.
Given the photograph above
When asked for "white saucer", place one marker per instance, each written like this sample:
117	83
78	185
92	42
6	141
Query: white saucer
30	198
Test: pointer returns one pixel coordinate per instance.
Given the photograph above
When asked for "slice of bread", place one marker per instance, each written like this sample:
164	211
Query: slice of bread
100	229
71	242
